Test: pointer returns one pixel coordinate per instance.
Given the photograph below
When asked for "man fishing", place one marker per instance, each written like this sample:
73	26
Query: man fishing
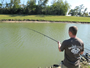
72	48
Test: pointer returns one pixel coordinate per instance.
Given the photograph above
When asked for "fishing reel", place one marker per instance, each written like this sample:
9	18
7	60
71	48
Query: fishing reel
85	58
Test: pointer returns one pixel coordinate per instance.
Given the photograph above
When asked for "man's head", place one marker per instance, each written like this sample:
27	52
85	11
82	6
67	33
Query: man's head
72	31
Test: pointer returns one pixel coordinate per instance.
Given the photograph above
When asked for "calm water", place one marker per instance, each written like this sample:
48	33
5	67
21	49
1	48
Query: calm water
21	47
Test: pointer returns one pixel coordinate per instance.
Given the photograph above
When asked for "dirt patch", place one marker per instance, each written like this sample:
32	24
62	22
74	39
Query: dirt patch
43	22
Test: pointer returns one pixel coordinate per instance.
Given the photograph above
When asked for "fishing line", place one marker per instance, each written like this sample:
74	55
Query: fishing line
48	36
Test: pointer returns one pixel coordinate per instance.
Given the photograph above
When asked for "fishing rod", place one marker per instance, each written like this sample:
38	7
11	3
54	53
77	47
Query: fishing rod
48	36
43	35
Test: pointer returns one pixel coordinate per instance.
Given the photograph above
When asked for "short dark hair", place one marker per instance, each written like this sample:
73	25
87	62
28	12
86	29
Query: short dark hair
73	29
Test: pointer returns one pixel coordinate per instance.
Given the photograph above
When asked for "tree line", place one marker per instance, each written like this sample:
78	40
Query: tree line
79	11
59	7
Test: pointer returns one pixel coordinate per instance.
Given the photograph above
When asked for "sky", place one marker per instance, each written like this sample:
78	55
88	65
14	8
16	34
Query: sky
72	3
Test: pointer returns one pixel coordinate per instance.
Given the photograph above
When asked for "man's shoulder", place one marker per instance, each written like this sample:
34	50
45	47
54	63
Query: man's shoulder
71	39
66	41
79	39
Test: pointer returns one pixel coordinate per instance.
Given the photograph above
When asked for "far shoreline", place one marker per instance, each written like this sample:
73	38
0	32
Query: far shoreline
43	19
44	22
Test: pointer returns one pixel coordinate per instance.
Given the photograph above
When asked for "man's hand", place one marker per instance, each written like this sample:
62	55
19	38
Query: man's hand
58	42
59	45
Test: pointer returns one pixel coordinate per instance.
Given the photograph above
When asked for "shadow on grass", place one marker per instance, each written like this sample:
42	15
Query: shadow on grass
40	15
15	15
22	15
45	15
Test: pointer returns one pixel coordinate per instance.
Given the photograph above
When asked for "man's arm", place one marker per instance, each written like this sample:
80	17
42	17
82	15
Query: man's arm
82	52
59	45
82	49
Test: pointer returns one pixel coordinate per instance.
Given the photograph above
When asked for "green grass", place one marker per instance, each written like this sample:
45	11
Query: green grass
43	18
84	65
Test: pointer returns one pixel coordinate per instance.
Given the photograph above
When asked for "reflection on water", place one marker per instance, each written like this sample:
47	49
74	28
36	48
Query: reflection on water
24	48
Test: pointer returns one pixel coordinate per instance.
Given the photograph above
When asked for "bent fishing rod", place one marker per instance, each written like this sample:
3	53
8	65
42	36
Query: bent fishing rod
48	36
43	34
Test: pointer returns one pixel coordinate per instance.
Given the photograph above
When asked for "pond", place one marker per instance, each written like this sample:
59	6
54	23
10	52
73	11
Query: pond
21	47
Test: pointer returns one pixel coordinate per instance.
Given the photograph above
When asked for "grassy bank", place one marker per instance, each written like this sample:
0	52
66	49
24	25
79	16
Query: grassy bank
44	18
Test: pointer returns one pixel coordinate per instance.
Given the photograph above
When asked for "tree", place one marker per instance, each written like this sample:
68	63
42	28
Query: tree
31	7
41	6
0	5
78	10
42	2
48	10
74	12
7	5
16	4
60	7
1	10
85	13
13	6
66	7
